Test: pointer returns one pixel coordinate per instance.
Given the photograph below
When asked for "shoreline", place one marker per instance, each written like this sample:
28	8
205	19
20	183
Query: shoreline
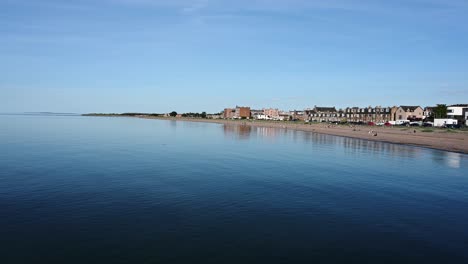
428	137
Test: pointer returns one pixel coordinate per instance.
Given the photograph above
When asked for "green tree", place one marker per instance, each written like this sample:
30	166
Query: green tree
173	113
203	115
440	111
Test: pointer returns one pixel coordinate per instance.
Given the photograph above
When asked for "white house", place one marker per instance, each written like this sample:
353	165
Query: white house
458	112
262	117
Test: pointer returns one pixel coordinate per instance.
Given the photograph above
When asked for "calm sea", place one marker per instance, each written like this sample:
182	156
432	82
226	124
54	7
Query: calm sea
123	190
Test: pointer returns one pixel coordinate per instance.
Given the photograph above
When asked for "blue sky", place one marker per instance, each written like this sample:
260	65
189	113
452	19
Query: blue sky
201	55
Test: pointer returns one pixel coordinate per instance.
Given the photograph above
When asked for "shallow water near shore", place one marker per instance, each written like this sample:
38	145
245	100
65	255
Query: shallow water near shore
124	190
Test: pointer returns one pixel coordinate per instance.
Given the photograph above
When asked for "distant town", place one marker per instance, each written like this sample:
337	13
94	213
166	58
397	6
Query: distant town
440	115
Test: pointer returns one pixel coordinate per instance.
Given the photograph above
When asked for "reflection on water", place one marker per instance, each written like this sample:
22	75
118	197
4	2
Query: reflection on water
453	159
269	132
243	131
82	189
237	131
350	146
173	123
450	159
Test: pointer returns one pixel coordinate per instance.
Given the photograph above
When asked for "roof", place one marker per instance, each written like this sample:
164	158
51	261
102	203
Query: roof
409	107
325	109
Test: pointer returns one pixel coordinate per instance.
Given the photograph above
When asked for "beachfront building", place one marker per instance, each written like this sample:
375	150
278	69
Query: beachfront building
229	113
428	111
381	114
283	115
297	115
323	114
406	112
376	114
342	115
262	117
458	112
242	112
352	114
366	114
271	113
256	113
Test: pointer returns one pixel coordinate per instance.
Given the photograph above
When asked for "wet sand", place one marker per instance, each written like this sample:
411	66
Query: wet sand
436	138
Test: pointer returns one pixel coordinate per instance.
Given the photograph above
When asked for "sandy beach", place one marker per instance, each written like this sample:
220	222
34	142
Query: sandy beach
436	138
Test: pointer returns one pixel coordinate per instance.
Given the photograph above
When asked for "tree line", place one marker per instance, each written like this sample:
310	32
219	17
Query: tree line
190	114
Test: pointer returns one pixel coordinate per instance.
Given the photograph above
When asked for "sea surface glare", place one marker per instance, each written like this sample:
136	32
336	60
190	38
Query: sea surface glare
125	190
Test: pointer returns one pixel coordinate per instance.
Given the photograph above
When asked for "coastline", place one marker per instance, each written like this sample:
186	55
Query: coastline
434	138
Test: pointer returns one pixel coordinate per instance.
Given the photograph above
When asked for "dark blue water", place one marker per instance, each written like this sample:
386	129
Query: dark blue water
126	190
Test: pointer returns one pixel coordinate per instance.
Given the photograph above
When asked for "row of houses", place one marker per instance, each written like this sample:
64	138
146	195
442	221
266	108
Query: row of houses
365	114
349	114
